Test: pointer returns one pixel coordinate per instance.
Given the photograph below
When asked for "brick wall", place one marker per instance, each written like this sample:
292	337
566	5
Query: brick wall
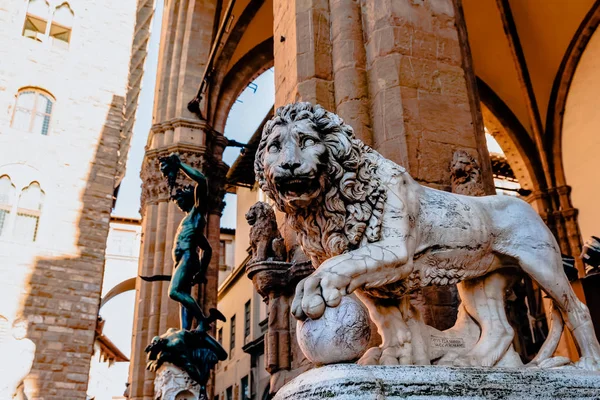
55	282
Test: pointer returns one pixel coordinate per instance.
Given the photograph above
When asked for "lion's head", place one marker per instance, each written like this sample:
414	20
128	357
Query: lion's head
321	177
260	212
466	174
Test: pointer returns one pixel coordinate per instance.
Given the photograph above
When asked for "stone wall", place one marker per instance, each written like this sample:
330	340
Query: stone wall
55	281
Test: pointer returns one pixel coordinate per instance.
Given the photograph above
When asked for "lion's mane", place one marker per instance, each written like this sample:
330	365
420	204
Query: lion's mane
351	205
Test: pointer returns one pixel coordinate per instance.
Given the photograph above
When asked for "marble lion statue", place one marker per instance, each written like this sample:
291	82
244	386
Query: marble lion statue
265	240
371	229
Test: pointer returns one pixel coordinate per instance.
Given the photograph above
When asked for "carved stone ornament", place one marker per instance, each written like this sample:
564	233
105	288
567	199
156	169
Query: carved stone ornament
466	175
371	229
265	240
154	186
173	383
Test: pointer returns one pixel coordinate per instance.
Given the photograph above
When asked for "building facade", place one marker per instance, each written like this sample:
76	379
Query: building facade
63	89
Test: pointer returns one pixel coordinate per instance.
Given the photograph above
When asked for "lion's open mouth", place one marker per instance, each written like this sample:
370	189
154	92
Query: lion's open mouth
297	186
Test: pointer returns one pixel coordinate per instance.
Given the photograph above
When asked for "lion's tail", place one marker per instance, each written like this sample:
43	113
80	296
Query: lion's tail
551	342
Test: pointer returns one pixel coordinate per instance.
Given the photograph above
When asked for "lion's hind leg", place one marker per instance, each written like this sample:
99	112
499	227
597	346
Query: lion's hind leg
483	299
574	313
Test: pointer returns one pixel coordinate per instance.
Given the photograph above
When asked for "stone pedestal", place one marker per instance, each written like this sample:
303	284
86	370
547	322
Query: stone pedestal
351	381
276	281
173	383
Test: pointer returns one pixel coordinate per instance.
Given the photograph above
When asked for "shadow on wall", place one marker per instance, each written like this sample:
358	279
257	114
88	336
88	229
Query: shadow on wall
63	294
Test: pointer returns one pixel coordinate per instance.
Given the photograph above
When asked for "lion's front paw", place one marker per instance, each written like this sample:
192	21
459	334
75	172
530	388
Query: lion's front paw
400	354
316	292
371	356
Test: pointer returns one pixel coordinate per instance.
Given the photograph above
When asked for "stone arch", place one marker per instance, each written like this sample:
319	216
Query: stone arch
560	91
579	141
122	287
250	66
233	40
512	137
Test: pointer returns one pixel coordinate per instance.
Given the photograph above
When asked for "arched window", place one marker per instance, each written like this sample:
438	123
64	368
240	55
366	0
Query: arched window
41	22
7	195
36	21
33	111
62	23
28	213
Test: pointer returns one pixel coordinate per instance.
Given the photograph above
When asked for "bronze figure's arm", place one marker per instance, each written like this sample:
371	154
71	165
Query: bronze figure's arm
192	173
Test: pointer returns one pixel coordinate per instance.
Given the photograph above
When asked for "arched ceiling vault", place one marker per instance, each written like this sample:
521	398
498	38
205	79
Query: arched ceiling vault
248	39
525	51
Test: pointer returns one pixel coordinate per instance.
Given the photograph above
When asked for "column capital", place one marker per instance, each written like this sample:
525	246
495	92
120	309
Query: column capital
216	172
154	185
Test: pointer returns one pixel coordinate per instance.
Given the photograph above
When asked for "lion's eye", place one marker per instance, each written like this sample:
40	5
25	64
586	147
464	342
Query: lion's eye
308	142
274	148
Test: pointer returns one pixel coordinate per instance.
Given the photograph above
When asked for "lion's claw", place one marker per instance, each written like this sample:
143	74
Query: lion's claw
315	293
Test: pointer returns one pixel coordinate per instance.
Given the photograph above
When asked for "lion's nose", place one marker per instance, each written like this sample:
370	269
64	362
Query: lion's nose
290	165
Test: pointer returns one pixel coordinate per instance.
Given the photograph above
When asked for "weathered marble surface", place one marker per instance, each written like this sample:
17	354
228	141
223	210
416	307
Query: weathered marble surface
371	229
173	383
350	381
341	334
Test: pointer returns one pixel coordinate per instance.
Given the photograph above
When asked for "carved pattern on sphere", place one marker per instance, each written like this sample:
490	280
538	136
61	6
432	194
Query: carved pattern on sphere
265	239
154	185
466	175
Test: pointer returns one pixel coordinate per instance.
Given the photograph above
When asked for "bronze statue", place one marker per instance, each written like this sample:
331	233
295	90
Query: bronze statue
189	268
195	351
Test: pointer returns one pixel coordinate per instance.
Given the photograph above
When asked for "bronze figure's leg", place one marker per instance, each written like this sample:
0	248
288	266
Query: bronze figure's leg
180	289
205	259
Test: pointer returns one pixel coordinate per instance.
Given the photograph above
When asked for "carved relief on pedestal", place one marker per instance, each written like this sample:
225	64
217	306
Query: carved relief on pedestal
172	383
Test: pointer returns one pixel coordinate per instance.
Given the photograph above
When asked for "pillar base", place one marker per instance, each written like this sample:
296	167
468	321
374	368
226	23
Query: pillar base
173	383
351	381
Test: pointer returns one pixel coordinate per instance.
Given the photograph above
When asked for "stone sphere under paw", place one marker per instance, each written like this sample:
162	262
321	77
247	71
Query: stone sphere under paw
341	335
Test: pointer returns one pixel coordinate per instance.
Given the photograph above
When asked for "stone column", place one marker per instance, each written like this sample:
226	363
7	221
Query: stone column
303	52
422	102
416	77
186	39
411	94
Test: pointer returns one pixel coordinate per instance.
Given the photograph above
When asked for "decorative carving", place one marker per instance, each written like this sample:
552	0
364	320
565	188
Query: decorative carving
17	357
173	383
265	240
373	230
466	175
154	187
